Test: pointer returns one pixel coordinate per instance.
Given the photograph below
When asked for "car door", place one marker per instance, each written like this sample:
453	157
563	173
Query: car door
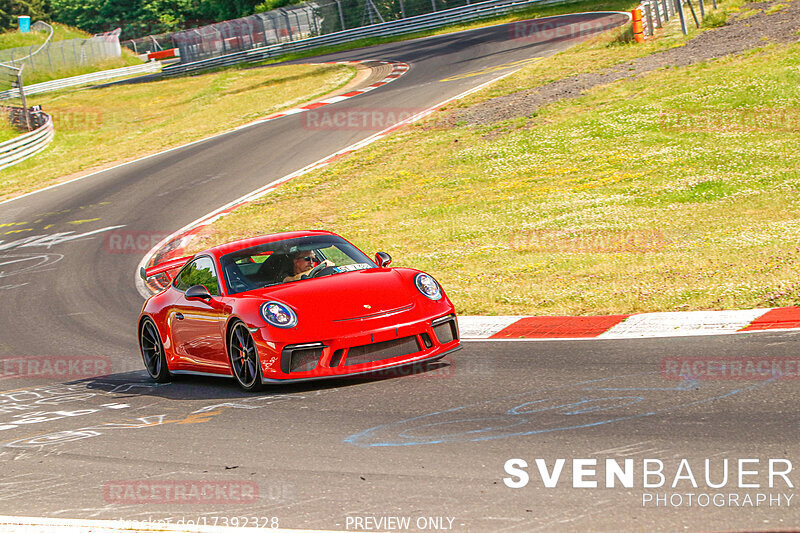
198	326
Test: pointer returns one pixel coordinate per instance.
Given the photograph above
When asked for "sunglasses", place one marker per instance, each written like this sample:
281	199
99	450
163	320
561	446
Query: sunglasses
306	258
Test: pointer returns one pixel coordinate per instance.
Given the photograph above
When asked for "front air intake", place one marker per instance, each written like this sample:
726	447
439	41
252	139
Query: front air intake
301	357
445	329
381	350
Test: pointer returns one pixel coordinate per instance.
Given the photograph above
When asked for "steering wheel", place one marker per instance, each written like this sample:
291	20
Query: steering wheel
316	270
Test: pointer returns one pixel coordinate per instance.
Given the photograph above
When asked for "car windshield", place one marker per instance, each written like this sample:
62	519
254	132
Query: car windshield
289	261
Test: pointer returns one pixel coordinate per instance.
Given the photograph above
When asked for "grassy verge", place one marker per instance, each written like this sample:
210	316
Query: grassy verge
102	126
127	59
15	39
7	132
677	191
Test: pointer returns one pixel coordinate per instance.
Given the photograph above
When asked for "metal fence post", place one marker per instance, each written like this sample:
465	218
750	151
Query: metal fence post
681	14
341	14
694	15
702	9
288	26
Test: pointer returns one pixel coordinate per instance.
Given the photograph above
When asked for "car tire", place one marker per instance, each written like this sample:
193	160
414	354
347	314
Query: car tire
243	357
152	349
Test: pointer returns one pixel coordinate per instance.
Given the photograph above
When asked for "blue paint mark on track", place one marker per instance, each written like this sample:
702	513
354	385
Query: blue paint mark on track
579	405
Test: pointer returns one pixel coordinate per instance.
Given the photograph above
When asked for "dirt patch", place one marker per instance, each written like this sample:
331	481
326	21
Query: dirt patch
735	37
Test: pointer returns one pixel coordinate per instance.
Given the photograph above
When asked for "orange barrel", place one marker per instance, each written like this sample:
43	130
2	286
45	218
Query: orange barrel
638	27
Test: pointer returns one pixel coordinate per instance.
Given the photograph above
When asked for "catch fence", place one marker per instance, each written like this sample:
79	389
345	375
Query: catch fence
55	56
286	24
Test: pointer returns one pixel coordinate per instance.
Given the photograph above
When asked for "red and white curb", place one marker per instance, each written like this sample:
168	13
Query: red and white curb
398	69
20	524
637	326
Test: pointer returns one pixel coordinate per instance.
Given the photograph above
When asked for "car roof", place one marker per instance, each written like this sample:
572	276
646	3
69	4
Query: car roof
222	249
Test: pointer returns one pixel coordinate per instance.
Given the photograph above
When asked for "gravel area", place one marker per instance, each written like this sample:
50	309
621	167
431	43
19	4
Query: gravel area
739	34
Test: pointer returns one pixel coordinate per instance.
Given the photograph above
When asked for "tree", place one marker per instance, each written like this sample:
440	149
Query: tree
11	9
138	18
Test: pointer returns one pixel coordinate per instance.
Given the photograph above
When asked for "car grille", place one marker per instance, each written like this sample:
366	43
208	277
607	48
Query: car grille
300	359
381	350
446	331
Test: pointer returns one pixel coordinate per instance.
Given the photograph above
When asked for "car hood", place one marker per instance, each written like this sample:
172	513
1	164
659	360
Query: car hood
346	296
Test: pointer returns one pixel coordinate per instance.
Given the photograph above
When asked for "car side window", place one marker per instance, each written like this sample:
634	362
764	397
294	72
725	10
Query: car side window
198	272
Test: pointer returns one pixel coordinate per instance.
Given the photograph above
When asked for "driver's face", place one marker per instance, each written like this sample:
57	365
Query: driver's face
304	261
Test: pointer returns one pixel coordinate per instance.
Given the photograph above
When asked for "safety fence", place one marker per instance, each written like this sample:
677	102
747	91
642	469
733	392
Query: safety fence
74	81
657	13
339	19
438	19
55	56
30	143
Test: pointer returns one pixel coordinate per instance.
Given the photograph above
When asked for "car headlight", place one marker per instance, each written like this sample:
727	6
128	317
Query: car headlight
428	286
278	315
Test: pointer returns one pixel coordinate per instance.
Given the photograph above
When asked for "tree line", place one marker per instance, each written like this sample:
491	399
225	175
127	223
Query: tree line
136	18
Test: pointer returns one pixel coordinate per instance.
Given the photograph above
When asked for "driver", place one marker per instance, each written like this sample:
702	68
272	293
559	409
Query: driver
303	262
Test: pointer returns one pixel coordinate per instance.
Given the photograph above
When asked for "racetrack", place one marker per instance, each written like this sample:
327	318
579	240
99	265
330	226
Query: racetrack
430	444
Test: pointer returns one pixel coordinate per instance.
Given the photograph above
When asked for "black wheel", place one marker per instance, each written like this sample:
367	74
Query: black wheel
242	352
155	361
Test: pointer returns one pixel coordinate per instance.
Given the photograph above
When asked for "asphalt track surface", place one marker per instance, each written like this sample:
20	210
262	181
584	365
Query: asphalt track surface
426	444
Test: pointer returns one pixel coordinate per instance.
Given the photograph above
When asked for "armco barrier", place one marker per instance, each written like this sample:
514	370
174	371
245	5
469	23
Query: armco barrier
437	19
28	144
103	75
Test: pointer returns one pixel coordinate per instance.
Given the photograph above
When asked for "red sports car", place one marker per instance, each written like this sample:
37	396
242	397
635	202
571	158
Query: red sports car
292	306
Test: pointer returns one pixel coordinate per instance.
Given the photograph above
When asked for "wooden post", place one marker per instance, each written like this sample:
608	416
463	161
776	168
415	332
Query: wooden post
22	97
649	14
659	24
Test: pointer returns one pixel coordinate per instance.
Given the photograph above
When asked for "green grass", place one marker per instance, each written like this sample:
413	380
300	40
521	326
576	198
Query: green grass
677	191
95	128
32	76
7	132
15	39
775	8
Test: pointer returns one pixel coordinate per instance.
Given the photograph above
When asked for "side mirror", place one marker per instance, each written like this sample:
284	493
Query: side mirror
197	292
382	259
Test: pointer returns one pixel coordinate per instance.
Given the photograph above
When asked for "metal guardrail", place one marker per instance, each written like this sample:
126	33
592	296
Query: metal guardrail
436	19
28	144
103	75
